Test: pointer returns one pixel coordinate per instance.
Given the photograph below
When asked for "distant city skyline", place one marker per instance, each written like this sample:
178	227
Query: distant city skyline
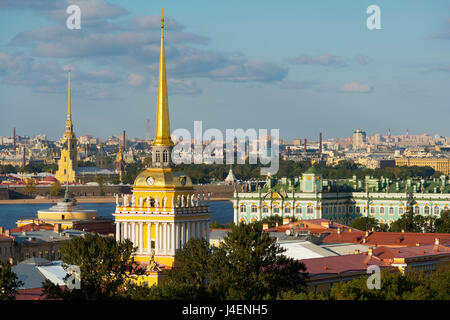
303	67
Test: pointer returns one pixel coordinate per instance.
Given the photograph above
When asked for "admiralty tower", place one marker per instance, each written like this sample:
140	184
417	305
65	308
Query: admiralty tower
163	212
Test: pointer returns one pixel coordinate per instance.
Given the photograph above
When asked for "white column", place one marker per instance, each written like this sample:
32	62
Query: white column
141	237
157	238
117	231
149	237
133	233
125	231
165	237
188	231
207	231
183	234
172	237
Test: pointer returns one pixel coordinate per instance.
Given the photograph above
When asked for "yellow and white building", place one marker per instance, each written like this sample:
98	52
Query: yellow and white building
163	212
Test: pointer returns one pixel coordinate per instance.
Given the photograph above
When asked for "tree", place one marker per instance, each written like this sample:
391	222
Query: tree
55	190
30	186
409	222
249	264
101	181
365	223
443	222
106	267
9	282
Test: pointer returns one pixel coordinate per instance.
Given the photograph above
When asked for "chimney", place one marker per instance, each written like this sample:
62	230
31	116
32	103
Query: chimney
124	141
14	139
305	144
356	251
370	252
57	227
320	143
436	241
265	226
286	220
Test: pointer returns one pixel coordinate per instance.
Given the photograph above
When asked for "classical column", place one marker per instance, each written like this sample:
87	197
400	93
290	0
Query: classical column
183	234
165	237
175	247
157	238
172	237
133	233
117	231
125	230
188	232
141	237
149	237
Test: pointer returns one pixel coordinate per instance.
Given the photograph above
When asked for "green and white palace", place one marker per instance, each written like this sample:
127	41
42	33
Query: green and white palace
311	197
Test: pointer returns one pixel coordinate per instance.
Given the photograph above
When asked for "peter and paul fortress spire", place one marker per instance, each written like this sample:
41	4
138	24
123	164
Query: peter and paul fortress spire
163	212
67	163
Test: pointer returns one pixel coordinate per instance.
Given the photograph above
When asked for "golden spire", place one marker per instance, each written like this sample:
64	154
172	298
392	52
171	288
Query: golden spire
162	135
69	108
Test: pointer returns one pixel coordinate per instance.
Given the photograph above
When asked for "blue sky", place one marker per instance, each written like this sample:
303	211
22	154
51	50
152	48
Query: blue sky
301	66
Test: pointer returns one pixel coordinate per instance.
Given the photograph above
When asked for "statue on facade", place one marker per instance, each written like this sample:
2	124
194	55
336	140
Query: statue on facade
182	201
173	201
117	199
125	201
133	200
141	202
156	201
152	264
164	202
147	201
192	200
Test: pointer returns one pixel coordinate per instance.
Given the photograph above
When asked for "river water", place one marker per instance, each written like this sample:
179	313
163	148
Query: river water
221	211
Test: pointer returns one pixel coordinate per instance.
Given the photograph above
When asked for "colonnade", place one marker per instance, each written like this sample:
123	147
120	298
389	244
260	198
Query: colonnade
166	236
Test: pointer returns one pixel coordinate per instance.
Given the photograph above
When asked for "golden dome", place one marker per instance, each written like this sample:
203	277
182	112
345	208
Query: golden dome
156	178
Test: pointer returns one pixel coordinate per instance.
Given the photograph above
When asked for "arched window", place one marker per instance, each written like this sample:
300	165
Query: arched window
242	208
436	211
265	209
254	208
391	211
358	209
158	156
276	210
372	211
416	210
426	210
165	156
298	210
287	210
381	210
400	210
309	210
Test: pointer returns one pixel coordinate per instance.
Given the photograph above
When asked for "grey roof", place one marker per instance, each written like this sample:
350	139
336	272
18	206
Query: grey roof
46	235
93	170
29	273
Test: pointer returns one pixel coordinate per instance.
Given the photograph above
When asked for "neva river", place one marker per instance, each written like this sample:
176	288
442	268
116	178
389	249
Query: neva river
222	211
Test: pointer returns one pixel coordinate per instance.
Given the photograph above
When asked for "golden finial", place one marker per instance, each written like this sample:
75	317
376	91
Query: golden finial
162	17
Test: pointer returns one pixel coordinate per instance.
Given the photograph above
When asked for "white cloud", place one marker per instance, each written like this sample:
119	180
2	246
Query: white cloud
356	87
135	79
322	60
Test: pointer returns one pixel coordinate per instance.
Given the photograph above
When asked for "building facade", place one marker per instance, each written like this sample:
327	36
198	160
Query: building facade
438	164
311	197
